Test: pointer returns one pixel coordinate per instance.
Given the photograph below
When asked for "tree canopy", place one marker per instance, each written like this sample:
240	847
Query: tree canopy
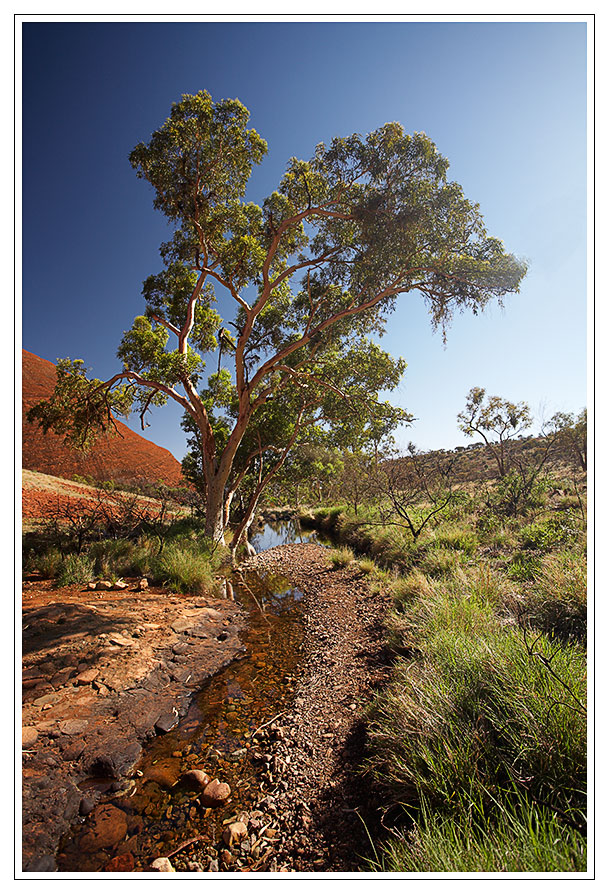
313	272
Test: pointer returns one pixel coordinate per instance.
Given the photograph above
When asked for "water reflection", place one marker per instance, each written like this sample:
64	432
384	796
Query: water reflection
280	532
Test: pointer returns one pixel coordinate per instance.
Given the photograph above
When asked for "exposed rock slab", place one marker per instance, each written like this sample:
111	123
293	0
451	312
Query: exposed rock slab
100	677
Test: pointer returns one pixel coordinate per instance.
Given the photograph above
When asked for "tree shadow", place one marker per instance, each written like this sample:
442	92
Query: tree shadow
51	625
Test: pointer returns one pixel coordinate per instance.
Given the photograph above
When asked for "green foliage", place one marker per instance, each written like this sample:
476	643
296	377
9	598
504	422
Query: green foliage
524	566
185	567
495	420
75	570
364	220
524	838
555	531
340	558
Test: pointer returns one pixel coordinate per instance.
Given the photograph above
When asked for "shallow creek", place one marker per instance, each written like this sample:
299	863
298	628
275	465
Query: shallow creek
216	733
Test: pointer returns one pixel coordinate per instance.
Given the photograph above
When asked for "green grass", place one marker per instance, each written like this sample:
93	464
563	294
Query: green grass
524	838
340	558
75	570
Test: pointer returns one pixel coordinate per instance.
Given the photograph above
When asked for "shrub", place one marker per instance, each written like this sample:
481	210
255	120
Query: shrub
48	563
75	569
182	568
547	535
340	558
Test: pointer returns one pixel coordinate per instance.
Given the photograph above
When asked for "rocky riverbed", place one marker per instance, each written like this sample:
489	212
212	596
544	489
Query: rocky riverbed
103	675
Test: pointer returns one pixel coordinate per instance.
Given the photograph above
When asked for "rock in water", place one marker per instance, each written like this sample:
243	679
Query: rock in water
216	793
196	778
108	827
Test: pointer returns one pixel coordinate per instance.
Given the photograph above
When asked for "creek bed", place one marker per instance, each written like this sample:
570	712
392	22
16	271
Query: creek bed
215	735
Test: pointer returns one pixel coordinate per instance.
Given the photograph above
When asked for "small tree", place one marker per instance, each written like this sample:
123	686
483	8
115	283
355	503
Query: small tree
310	273
572	434
418	487
496	421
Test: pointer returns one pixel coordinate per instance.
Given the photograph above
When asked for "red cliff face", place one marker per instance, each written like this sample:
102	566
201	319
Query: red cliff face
125	456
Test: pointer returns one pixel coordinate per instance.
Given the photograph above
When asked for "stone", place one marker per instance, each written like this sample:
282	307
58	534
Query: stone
87	676
62	676
49	699
143	584
73	727
86	805
120	585
162	864
167	721
28	736
165	773
196	778
215	793
234	834
121	863
108	827
103	585
119	640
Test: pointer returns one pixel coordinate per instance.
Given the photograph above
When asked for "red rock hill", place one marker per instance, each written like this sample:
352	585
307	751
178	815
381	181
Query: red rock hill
125	456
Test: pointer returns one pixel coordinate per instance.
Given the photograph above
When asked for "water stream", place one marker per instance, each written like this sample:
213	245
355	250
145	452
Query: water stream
216	733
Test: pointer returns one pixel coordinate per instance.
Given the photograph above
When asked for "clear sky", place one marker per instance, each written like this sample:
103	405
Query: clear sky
505	102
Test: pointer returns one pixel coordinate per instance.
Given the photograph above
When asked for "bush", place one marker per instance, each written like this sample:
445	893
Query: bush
340	558
75	569
552	533
48	562
183	568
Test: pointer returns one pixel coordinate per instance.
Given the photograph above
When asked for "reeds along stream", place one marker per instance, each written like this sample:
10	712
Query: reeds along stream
216	733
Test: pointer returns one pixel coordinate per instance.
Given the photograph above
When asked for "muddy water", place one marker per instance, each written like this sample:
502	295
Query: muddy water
216	735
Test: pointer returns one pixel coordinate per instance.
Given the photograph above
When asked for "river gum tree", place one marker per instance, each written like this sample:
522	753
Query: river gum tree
312	273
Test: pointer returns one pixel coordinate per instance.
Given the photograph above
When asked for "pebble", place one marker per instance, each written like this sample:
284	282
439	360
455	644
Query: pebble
197	778
216	793
28	736
162	864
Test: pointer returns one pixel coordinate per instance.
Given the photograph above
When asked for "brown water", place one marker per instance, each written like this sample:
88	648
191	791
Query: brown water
215	736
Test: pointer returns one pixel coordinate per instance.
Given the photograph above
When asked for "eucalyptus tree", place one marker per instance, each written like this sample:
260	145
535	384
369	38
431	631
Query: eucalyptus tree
495	420
312	273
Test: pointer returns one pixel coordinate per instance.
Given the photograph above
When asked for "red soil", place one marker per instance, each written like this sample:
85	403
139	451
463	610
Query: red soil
44	496
123	456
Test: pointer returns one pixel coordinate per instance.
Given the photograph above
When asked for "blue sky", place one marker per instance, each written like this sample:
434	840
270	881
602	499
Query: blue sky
504	101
